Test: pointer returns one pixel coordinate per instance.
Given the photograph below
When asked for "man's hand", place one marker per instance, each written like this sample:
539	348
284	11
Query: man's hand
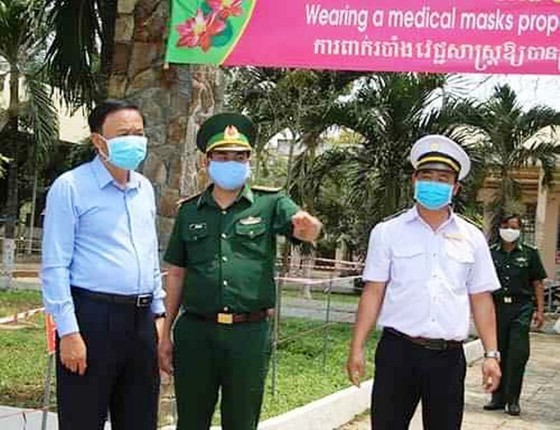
165	354
538	318
73	353
491	374
356	366
306	226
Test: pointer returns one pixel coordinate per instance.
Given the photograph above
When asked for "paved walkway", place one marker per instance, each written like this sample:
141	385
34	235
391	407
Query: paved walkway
539	400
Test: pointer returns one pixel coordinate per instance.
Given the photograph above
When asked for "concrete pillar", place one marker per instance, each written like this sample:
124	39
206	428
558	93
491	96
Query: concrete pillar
546	227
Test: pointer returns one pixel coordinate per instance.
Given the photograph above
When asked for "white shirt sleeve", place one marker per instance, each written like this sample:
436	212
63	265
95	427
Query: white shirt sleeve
378	260
483	277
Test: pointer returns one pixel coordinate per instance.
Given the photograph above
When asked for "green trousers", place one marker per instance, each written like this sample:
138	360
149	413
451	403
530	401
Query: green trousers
514	321
209	358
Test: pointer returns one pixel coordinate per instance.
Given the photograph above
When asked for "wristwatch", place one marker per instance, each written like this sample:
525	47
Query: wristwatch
160	315
492	354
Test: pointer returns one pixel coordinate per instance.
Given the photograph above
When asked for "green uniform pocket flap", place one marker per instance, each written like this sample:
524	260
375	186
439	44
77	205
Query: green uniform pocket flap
250	230
196	232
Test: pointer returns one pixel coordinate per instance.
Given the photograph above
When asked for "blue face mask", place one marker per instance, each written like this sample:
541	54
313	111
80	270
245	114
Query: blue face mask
433	195
126	152
229	175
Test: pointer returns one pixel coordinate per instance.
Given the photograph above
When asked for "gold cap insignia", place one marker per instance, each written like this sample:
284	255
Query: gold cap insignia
231	132
434	146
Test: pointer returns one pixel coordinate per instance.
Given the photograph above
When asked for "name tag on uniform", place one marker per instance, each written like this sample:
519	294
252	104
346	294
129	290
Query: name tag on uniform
454	236
197	227
250	220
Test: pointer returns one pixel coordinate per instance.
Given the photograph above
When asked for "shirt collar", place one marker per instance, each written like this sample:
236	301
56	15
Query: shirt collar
518	246
207	198
104	177
413	215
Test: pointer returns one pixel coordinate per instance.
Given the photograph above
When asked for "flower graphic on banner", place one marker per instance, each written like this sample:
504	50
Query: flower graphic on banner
226	8
198	31
210	26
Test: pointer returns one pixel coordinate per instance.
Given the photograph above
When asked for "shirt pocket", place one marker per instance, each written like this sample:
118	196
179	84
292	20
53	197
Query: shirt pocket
459	262
250	240
197	243
409	264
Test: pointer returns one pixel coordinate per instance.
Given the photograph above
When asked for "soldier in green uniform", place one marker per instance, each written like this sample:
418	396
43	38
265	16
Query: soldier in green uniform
221	257
521	273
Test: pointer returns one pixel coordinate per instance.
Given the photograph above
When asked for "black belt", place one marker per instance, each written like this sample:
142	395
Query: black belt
231	318
435	344
139	301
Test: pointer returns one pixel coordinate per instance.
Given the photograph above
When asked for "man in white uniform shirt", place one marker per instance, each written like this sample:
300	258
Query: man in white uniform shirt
426	269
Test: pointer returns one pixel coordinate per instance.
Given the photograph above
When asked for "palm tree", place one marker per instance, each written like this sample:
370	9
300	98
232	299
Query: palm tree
31	124
509	139
99	50
388	113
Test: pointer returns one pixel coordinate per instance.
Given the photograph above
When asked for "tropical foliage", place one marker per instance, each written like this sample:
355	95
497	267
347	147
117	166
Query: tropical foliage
29	125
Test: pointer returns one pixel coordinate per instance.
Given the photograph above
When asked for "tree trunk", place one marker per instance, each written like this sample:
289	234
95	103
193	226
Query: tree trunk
33	204
175	100
12	128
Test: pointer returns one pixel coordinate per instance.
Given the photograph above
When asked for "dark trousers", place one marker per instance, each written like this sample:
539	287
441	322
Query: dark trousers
210	358
514	322
122	374
405	373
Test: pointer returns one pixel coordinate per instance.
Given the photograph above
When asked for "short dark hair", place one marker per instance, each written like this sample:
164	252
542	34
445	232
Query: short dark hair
509	216
99	114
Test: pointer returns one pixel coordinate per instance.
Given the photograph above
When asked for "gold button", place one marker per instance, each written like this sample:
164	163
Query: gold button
224	236
224	258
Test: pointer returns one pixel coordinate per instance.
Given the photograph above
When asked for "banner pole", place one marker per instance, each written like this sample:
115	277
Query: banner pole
47	397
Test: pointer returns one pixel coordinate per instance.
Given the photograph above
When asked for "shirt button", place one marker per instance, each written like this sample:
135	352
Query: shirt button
226	309
225	283
224	212
224	259
224	236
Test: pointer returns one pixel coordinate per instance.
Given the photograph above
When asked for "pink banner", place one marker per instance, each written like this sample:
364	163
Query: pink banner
484	36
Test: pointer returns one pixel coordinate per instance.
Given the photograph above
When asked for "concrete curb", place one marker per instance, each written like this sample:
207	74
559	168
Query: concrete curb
339	408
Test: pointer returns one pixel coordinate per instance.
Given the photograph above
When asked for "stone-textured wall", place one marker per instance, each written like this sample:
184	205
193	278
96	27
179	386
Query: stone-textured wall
175	100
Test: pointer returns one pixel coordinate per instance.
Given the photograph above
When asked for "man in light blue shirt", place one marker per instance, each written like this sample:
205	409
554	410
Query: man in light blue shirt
101	279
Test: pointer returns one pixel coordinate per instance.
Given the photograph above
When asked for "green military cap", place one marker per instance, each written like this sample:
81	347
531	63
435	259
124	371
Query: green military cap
227	132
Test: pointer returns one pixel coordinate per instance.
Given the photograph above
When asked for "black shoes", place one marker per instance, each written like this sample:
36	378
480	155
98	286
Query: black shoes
513	409
493	405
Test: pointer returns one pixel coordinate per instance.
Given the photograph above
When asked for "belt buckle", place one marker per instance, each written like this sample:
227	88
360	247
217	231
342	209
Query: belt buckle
436	344
508	299
225	318
143	300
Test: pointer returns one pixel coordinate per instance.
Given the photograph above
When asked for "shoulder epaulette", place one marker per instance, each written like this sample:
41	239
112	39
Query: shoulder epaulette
471	221
528	245
265	189
396	214
183	200
495	246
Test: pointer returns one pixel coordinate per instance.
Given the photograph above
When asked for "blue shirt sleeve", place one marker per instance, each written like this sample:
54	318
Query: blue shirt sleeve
158	305
57	250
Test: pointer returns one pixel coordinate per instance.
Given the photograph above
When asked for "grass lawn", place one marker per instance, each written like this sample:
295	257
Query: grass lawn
23	355
352	299
15	301
301	376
